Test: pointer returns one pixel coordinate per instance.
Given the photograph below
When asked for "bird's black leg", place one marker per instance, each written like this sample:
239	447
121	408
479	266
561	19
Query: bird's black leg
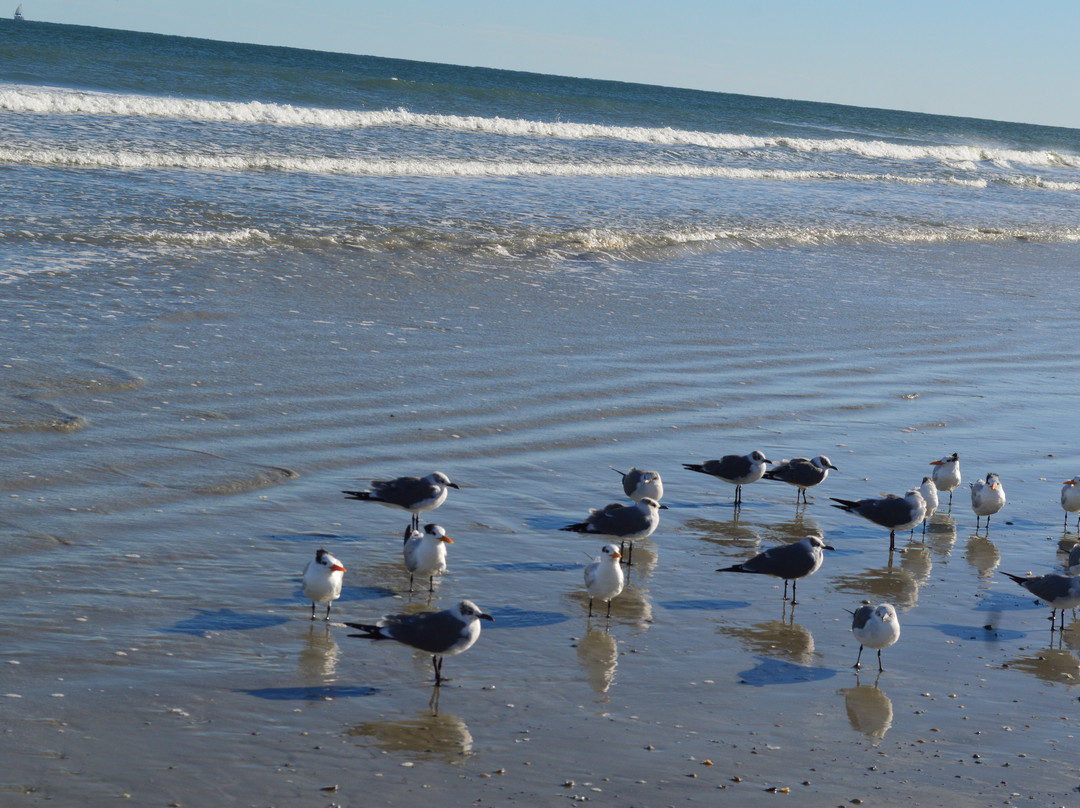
431	584
858	659
410	583
793	585
312	610
327	611
892	540
436	662
608	609
590	607
879	668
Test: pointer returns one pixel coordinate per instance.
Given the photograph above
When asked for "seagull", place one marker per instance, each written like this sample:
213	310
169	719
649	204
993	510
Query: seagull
625	522
787	561
987	498
802	473
604	577
425	553
441	634
947	474
929	494
1060	591
322	581
1070	499
413	494
639	484
875	627
895	513
739	470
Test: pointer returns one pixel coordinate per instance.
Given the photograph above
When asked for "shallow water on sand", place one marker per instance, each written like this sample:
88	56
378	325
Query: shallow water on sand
175	451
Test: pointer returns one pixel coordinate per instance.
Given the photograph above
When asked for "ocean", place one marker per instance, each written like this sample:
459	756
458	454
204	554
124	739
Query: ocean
236	280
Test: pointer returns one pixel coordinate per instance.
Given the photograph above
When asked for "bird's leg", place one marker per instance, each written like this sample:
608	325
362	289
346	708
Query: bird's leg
590	607
892	540
879	667
328	605
431	584
793	585
858	659
738	495
312	610
785	588
436	662
410	583
608	609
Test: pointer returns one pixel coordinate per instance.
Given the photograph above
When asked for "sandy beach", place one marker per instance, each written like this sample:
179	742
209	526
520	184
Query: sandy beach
165	484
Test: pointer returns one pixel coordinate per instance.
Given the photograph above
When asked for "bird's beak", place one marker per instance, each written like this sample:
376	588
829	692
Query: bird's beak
937	463
663	507
446	539
993	486
487	617
829	547
338	568
616	554
454	485
1070	482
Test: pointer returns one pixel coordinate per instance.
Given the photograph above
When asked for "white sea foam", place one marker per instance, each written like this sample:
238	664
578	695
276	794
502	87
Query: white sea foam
16	98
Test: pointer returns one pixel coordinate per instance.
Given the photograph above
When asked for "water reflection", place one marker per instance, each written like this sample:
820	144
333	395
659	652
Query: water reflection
319	656
940	534
1057	665
893	583
869	710
598	654
982	554
776	638
427	736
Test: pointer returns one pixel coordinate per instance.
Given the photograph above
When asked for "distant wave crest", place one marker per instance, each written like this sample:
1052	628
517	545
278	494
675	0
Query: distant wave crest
71	102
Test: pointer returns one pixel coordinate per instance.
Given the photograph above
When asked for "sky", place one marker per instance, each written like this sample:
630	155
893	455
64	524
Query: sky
1007	61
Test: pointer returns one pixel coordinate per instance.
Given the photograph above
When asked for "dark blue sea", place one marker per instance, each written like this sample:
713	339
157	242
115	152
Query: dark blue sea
236	280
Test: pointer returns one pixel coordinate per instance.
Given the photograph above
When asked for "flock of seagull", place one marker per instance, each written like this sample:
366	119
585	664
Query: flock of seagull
455	630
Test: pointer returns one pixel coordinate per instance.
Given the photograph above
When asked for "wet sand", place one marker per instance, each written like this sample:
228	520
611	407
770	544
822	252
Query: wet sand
175	452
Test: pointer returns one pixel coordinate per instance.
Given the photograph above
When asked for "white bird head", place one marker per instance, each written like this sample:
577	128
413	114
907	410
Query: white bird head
437	533
469	612
325	559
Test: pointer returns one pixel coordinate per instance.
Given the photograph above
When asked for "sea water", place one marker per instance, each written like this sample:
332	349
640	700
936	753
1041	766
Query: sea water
235	280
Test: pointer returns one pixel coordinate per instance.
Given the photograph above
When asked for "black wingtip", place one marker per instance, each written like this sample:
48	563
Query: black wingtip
580	527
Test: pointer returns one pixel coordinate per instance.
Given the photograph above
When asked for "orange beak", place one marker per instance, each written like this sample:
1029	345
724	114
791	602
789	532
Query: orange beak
936	463
616	554
1069	482
337	568
446	539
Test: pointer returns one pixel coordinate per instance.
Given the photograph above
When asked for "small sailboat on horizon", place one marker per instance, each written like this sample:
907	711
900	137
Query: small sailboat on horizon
18	12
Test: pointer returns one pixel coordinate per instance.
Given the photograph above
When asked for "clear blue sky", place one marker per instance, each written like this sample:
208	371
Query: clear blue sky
983	58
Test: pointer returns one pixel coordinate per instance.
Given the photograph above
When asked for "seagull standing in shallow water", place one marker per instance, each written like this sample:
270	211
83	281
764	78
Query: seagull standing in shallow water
987	498
425	553
1070	499
802	473
441	634
739	470
787	561
416	495
628	523
929	494
875	627
946	474
895	513
322	581
604	577
639	484
1060	591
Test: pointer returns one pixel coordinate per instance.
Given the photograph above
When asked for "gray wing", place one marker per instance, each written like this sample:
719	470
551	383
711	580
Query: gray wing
434	632
1049	587
887	512
862	616
786	561
618	520
404	491
728	467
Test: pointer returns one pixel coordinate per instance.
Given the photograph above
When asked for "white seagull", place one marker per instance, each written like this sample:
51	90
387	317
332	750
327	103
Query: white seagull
628	523
802	473
1061	592
1070	499
987	498
739	470
787	561
440	634
425	553
893	512
930	497
604	577
322	581
416	495
875	627
639	484
946	474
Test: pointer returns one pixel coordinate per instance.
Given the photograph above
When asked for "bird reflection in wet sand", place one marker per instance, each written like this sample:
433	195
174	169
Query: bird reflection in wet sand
319	656
1055	665
776	638
982	554
427	736
869	710
598	654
